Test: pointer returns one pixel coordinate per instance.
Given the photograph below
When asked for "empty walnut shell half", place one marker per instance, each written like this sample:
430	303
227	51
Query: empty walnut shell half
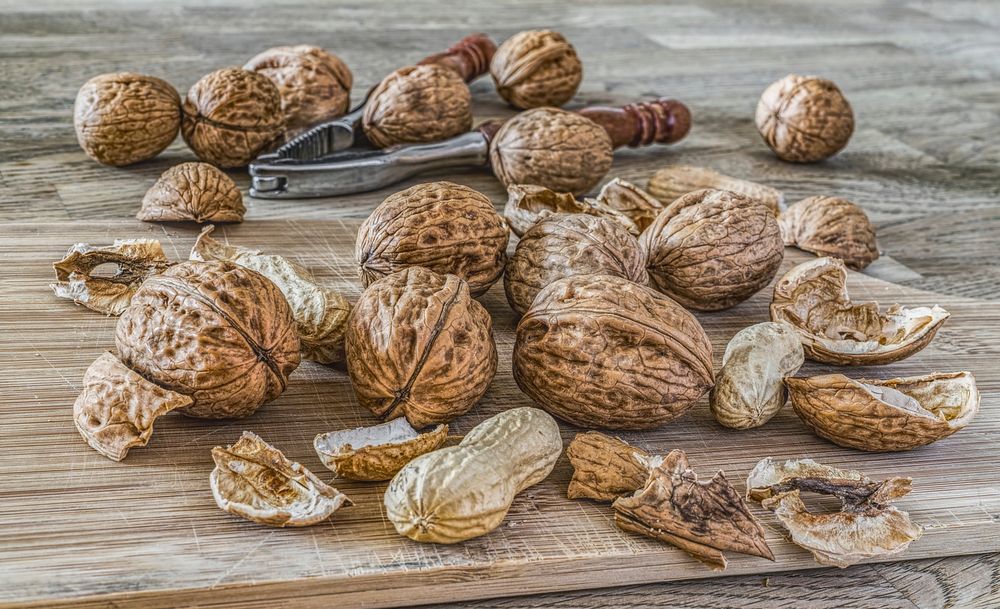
830	226
195	192
628	199
712	249
674	181
528	204
605	468
570	244
419	346
255	481
885	415
377	452
812	297
601	351
536	68
445	227
804	119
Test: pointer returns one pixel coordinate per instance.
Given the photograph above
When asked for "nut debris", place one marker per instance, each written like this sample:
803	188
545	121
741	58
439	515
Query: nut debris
377	452
195	192
674	181
625	197
528	204
830	226
605	468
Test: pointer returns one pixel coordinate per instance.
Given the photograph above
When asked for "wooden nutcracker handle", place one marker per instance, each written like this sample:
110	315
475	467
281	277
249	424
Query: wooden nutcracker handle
663	121
470	56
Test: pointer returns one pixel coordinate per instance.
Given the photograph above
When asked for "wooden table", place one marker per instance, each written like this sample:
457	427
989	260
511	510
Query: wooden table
923	162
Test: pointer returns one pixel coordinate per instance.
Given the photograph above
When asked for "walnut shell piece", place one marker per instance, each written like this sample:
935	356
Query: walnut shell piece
712	249
255	481
124	118
320	313
804	119
553	148
528	204
314	84
830	226
416	104
812	297
635	203
605	468
701	518
674	181
885	415
419	346
117	407
230	116
749	388
536	68
570	244
215	331
377	452
600	351
195	192
445	227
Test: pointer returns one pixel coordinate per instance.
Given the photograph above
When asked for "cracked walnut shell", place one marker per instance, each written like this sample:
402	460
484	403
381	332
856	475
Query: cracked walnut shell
674	181
629	200
536	68
193	191
605	468
804	119
830	226
528	204
215	331
376	452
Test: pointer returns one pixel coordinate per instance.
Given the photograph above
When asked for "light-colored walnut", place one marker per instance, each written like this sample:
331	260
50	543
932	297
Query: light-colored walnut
377	452
193	191
830	226
528	204
536	68
674	181
804	119
605	468
628	199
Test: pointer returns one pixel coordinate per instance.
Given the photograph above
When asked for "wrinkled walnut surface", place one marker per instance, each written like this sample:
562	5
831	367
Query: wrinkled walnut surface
536	68
804	119
674	181
376	452
628	199
830	226
605	468
193	191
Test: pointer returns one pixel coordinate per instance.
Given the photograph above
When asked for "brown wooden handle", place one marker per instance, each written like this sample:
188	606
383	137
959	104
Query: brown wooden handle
663	121
470	56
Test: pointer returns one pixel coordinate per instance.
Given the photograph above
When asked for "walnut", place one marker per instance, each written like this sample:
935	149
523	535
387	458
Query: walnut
377	452
230	116
712	249
885	415
674	181
812	297
628	199
536	68
830	226
445	227
424	103
553	148
605	468
418	346
217	332
601	351
804	119
315	85
527	204
193	191
570	244
125	118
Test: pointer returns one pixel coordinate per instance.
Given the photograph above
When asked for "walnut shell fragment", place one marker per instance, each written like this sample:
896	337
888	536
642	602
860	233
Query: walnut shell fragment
536	68
320	313
865	527
625	197
812	297
885	415
830	226
528	204
377	452
255	481
117	407
193	192
605	468
804	119
701	518
674	181
134	259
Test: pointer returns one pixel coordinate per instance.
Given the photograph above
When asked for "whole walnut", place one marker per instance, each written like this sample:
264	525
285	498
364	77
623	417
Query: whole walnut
197	192
536	68
315	85
125	118
230	116
563	245
804	119
549	147
600	351
712	249
419	346
830	226
417	104
445	227
217	332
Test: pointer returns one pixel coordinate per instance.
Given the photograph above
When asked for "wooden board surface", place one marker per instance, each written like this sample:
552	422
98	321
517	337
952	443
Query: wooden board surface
146	532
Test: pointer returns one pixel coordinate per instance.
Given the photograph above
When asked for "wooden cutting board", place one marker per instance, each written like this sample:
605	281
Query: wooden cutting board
80	529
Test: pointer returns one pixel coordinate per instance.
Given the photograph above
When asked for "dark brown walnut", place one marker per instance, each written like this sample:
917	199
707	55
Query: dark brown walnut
217	332
605	468
830	226
231	116
712	249
417	104
315	85
804	119
560	150
193	192
564	245
528	204
812	297
601	351
702	518
419	346
445	227
536	68
125	118
674	181
635	203
885	415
